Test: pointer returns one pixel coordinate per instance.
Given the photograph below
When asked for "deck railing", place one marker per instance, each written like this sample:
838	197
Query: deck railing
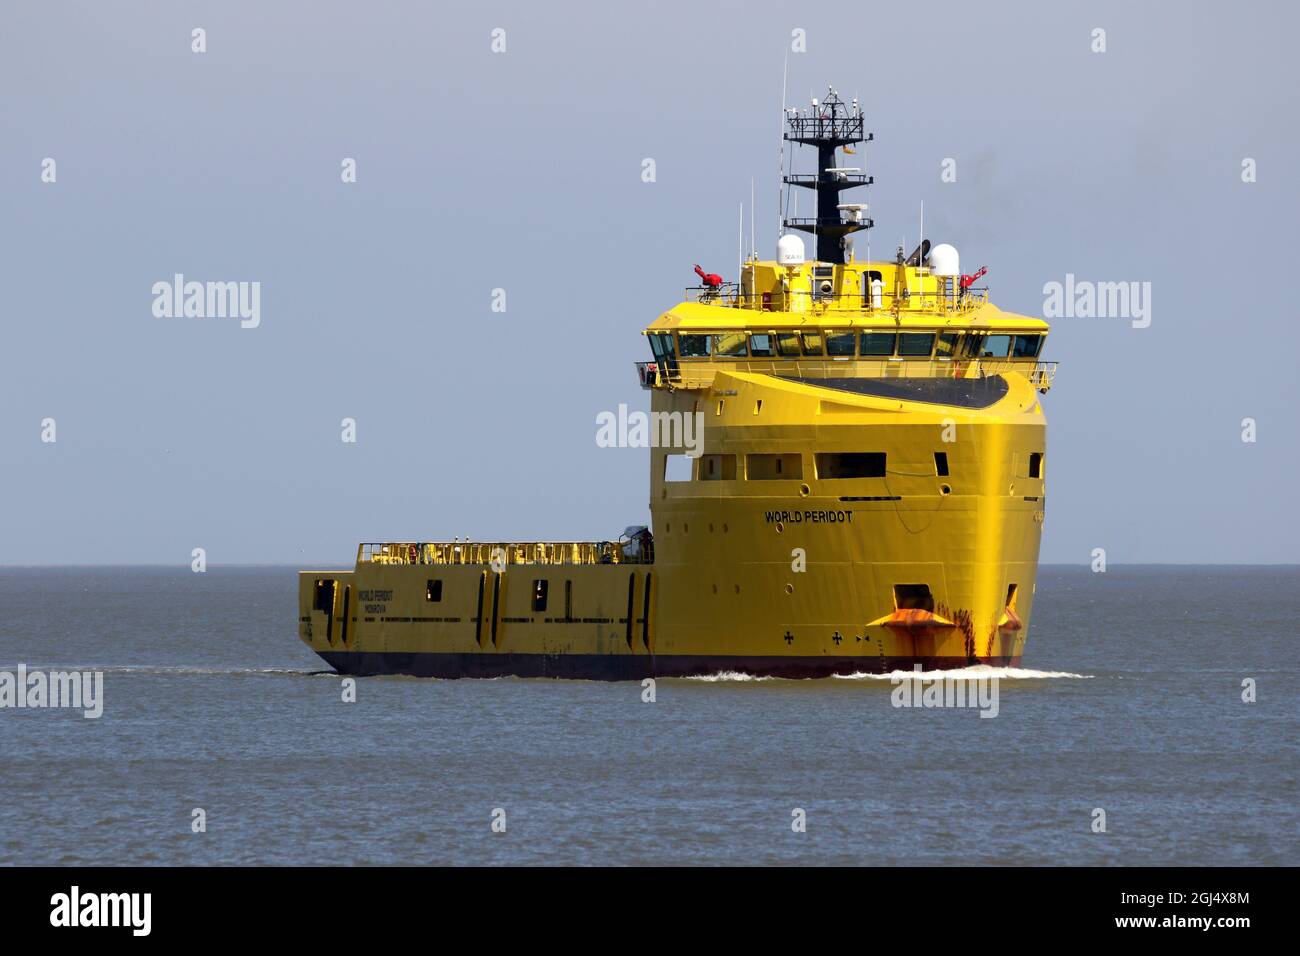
699	373
498	554
803	302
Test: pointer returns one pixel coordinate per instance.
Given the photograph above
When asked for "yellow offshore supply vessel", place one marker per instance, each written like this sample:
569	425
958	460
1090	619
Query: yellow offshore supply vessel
846	475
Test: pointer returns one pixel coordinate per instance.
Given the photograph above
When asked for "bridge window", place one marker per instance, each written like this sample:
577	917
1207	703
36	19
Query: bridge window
915	344
787	344
433	590
851	464
774	467
839	343
996	346
661	344
730	344
971	345
761	345
812	343
947	345
877	343
540	587
1026	346
717	468
694	346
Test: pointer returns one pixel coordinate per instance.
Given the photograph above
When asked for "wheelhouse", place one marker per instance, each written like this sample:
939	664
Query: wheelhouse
844	344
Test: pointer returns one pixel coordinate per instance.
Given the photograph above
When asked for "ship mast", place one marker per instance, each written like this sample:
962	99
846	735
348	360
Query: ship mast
829	125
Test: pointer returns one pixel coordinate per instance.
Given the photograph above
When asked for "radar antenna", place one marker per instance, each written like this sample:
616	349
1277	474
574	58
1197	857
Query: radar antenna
830	124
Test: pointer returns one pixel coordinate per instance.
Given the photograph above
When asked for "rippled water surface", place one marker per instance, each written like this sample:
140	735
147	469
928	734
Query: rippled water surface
1130	700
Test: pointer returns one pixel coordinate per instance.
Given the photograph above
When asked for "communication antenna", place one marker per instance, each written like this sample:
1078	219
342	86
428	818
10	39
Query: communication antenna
780	156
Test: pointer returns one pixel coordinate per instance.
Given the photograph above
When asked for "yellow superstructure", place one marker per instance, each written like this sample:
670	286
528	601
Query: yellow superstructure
847	474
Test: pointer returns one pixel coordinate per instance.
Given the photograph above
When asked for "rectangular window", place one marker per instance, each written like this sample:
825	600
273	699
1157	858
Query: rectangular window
877	343
774	467
694	346
761	345
1035	464
1026	346
812	343
839	343
787	343
915	344
730	344
996	346
433	590
568	600
717	468
540	587
851	464
941	464
678	467
913	597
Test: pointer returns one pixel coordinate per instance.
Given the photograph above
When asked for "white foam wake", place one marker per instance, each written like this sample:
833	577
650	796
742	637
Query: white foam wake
975	672
726	676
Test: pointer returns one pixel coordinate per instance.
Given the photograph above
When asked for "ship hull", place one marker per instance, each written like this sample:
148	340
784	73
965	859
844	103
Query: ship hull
805	573
612	667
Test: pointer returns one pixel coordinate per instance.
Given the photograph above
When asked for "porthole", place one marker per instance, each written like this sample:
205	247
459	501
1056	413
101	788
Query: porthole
945	489
789	589
805	490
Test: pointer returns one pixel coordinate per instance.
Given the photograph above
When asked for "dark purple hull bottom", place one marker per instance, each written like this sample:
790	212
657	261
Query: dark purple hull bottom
628	666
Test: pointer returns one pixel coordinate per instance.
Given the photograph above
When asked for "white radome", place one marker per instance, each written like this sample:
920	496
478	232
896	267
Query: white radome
944	261
789	251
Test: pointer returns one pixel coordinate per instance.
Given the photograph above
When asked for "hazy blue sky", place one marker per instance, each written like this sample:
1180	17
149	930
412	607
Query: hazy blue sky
522	170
